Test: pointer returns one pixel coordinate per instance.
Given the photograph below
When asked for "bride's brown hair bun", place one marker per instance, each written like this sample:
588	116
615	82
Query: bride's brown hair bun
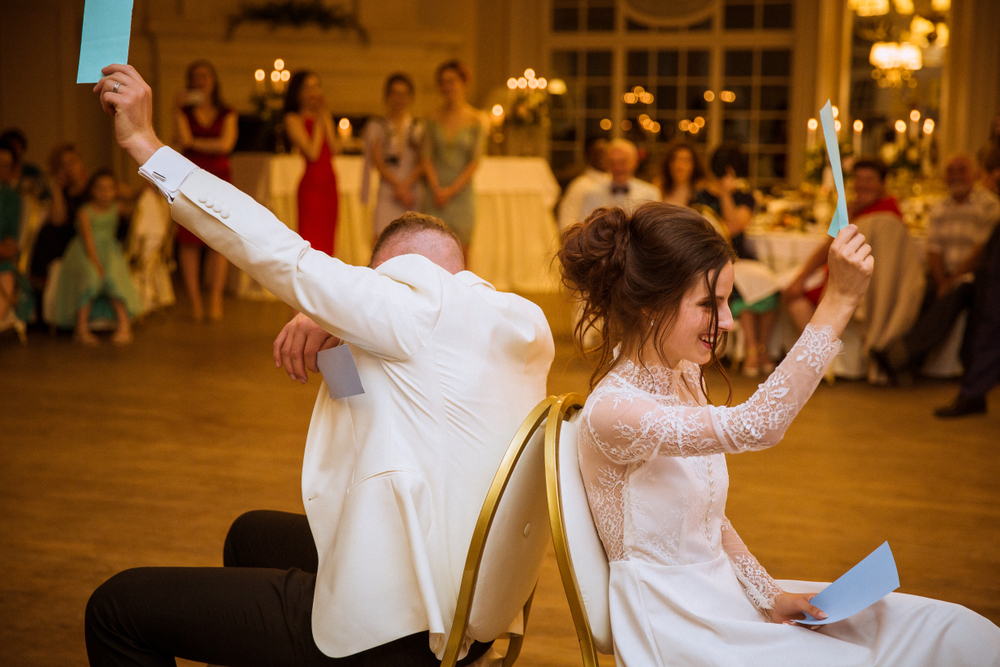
631	270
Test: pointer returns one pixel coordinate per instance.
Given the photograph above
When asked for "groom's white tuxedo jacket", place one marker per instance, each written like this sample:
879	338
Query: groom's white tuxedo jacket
393	479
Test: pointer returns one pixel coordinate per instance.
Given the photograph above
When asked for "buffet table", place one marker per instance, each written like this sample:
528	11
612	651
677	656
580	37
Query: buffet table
515	237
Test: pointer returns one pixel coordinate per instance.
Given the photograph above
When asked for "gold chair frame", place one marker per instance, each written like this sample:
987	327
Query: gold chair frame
562	409
476	548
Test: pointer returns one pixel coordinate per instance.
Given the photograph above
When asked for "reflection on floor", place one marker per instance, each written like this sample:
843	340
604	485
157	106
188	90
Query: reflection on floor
113	458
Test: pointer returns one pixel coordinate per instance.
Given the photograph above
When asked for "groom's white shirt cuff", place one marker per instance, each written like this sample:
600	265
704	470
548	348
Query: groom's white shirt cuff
167	169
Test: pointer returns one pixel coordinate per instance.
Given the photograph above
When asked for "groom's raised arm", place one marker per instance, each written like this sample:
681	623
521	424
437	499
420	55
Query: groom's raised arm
376	311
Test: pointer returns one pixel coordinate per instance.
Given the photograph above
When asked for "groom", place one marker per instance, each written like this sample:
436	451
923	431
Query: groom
392	479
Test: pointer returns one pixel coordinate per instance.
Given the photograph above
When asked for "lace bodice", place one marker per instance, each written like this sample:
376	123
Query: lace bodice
653	457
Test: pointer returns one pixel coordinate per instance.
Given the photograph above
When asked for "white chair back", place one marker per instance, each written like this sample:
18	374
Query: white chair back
583	564
508	546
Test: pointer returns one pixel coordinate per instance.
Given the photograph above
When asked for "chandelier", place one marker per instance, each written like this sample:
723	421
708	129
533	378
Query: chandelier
895	62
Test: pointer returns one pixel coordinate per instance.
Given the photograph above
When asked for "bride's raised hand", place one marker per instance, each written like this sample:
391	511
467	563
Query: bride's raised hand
851	264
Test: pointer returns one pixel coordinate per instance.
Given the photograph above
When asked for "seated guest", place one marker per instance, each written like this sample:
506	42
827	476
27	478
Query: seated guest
10	218
983	369
69	191
624	189
730	199
958	228
990	164
393	479
869	197
681	174
28	177
94	266
594	174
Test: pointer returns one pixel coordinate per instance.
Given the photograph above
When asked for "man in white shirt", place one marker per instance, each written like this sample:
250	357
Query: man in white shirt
624	189
958	228
594	174
392	479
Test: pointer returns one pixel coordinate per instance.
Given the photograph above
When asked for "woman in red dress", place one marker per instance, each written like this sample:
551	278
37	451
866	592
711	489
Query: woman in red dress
206	130
310	128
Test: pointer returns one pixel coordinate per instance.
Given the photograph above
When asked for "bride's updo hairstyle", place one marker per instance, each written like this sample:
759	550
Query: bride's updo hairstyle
631	272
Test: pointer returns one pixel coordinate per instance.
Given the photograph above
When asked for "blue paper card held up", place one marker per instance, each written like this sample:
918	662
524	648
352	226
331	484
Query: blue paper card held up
340	372
107	26
862	586
833	151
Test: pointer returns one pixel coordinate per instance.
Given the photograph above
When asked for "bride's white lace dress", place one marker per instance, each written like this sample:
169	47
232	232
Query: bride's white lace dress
684	588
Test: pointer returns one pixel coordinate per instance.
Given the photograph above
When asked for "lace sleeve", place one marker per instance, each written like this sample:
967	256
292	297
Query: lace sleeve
757	583
630	426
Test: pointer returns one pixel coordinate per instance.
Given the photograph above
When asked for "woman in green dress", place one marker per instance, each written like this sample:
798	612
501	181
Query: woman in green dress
454	142
94	266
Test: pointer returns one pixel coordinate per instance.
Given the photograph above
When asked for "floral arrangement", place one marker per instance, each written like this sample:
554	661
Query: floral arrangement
298	14
528	108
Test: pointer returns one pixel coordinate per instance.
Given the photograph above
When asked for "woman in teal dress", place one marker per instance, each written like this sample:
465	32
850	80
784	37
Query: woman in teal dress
94	270
454	143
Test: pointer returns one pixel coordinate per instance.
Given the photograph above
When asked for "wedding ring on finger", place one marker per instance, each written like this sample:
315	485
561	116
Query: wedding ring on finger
115	89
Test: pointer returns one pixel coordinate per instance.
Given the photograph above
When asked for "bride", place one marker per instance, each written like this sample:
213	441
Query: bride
684	589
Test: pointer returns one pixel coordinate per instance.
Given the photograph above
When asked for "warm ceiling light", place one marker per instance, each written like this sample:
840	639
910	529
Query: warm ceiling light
869	7
557	86
684	125
727	96
626	125
709	96
646	98
699	121
630	98
605	123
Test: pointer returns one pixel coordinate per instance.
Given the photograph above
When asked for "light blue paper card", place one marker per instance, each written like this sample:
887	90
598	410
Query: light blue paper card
107	26
833	150
862	586
340	372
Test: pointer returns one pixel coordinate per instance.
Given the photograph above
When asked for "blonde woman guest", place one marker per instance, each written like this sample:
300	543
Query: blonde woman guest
392	146
454	143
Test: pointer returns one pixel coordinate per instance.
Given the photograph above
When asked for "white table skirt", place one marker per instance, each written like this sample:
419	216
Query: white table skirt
515	236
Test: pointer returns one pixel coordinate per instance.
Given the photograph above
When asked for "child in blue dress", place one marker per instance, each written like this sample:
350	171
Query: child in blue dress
94	270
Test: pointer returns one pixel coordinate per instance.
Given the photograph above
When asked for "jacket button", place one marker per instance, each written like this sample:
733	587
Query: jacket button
224	214
208	202
202	199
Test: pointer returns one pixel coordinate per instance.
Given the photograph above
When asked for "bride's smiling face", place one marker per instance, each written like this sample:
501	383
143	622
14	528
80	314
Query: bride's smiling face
691	336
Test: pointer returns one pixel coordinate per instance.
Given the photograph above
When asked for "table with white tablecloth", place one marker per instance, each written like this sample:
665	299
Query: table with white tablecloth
515	237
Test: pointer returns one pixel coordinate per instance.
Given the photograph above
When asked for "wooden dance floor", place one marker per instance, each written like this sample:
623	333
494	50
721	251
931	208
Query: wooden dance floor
113	458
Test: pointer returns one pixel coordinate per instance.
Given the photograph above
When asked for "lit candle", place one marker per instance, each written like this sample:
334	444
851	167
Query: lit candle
259	77
858	126
925	158
900	131
914	128
344	128
811	137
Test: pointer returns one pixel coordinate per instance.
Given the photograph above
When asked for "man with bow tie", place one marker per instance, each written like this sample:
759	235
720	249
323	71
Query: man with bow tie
624	189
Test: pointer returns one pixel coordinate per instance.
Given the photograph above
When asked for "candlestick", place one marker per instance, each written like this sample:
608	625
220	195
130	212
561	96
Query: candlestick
811	137
856	145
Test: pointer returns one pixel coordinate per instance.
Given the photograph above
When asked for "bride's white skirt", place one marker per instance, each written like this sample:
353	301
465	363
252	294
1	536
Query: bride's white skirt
698	615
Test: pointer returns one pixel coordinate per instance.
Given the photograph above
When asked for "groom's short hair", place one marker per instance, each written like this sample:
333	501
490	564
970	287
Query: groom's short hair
410	223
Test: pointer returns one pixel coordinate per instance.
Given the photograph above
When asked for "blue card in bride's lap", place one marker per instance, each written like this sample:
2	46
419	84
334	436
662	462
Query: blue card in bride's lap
859	588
